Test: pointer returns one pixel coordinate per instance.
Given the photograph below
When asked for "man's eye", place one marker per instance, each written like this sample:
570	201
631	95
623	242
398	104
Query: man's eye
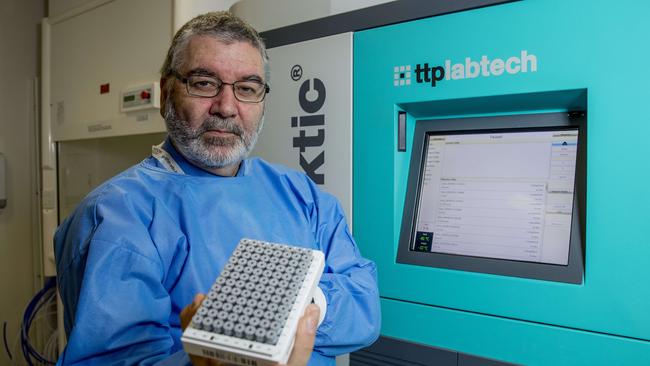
204	84
248	89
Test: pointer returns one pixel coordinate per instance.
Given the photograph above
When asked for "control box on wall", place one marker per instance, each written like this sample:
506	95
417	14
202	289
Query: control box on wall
104	63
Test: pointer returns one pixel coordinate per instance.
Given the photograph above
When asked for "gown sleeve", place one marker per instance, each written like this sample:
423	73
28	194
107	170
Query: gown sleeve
349	282
111	280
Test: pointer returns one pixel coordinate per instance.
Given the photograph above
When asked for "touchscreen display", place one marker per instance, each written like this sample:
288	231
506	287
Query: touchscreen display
504	195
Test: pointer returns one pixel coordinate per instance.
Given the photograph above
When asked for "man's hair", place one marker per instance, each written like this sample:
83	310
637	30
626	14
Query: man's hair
223	26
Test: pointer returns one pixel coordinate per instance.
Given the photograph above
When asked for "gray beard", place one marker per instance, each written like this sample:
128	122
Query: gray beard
210	152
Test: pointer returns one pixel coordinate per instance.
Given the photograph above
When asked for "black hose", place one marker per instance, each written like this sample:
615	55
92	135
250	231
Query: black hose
4	336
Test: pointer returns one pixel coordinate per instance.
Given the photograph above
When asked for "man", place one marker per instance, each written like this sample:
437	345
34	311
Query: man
140	247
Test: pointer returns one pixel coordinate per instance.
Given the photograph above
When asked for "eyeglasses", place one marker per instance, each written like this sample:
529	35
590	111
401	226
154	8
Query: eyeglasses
247	91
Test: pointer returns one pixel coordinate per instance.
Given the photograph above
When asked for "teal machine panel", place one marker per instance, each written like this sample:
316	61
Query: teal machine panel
518	58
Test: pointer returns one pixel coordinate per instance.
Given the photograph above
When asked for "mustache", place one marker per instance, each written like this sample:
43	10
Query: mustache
216	123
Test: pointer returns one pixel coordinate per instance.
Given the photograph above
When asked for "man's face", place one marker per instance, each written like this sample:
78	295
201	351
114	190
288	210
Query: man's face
215	132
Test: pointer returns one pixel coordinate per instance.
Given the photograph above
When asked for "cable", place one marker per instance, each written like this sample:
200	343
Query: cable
50	346
4	337
25	335
41	299
14	347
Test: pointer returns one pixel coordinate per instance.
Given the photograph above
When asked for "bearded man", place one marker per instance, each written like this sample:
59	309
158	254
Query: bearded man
137	253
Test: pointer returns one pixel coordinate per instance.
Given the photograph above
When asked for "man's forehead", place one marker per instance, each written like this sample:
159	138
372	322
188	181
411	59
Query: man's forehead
205	52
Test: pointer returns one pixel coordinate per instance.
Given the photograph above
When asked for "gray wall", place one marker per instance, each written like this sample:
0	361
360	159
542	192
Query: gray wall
19	256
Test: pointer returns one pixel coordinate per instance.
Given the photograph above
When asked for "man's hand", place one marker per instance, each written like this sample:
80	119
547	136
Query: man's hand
305	336
186	318
190	310
302	348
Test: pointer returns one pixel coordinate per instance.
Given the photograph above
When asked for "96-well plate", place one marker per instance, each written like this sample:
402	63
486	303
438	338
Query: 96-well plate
250	314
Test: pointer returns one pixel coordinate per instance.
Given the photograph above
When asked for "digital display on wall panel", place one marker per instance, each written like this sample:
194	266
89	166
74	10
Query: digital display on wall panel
503	195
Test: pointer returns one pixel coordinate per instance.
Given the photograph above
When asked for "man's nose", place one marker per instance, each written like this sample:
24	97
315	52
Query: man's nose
224	104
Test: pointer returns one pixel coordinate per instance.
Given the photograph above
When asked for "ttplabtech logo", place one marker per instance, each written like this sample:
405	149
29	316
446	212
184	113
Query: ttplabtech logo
423	73
402	75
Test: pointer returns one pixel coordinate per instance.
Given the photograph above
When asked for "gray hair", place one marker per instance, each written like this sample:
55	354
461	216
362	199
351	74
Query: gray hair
219	24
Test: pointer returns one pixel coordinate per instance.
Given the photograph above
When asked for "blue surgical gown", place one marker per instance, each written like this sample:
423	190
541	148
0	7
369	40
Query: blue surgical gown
139	247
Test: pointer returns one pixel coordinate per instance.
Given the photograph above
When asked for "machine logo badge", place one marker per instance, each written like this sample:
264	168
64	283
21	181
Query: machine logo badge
296	72
402	75
468	68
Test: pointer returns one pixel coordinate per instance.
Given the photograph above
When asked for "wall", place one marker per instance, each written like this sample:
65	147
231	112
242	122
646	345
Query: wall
19	45
58	7
184	10
265	15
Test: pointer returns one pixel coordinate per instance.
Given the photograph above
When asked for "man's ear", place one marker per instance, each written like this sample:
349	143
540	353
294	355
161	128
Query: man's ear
163	95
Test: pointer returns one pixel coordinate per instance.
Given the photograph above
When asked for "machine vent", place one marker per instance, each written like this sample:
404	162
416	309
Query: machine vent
388	351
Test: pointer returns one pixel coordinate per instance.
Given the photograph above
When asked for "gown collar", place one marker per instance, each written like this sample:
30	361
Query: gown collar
187	168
